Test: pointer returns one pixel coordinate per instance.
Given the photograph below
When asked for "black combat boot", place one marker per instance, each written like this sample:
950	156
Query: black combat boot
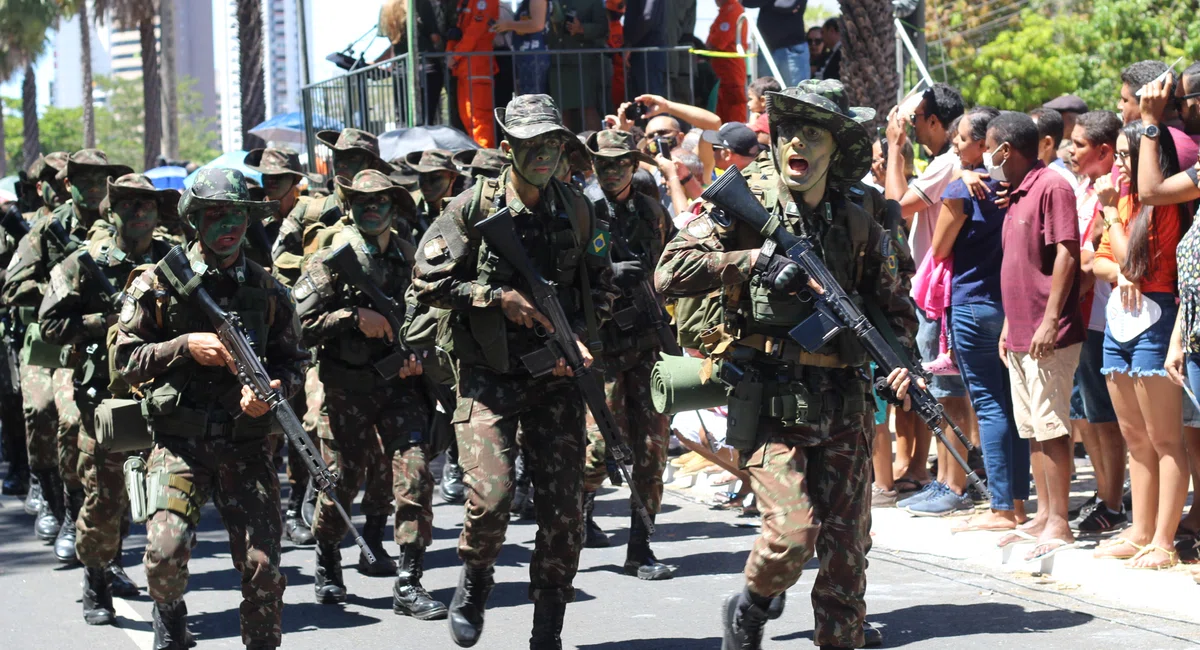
594	536
872	637
409	598
744	616
64	545
97	598
294	527
308	510
372	534
639	559
328	584
547	625
33	498
118	581
452	487
522	503
54	506
775	609
470	600
170	626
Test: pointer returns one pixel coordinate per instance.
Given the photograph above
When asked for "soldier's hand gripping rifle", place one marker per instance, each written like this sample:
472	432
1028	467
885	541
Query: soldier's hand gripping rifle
646	300
176	271
345	263
835	311
500	234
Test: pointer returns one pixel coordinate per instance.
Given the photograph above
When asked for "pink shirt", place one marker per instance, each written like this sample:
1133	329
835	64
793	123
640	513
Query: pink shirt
1041	214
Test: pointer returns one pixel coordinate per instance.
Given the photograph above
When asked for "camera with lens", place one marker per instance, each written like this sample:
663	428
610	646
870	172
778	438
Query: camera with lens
636	113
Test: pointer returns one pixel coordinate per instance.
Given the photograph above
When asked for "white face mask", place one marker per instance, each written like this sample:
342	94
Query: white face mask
996	172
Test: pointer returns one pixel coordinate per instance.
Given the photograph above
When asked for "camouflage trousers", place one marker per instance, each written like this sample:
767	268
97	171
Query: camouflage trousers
68	428
627	390
377	496
41	417
395	413
815	495
550	414
104	500
240	478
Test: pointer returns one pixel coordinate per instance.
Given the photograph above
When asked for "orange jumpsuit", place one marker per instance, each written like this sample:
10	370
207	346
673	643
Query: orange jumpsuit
474	74
616	39
722	37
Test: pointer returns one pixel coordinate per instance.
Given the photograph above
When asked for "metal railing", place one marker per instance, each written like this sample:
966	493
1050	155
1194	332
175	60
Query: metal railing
376	98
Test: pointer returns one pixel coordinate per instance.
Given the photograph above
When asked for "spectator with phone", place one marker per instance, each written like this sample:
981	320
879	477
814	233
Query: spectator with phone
681	173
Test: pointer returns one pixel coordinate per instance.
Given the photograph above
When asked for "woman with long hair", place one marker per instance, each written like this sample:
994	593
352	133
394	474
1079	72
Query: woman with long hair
1138	255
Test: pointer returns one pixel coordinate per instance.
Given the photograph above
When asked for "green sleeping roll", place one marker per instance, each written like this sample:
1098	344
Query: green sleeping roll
675	386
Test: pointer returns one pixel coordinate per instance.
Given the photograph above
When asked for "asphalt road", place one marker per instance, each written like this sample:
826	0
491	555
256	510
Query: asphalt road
919	603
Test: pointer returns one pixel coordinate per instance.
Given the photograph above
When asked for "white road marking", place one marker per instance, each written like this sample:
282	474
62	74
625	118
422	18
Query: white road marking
141	635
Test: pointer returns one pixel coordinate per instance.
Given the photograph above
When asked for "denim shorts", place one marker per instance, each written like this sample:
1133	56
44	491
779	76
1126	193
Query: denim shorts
928	333
1089	397
1146	354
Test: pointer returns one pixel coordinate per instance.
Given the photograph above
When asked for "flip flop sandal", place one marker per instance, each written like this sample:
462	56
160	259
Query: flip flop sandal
1172	559
1113	543
1021	537
899	485
1059	545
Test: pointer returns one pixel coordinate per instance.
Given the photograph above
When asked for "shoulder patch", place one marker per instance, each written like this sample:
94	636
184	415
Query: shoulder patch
723	27
599	243
304	288
701	227
128	308
435	249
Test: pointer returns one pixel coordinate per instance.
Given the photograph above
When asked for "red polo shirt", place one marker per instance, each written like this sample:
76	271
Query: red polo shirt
1041	214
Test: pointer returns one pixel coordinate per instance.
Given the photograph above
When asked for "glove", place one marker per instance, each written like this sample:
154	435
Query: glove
627	274
785	276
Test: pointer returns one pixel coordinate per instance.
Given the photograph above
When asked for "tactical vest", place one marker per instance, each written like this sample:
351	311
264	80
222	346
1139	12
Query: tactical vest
190	400
287	252
630	327
481	336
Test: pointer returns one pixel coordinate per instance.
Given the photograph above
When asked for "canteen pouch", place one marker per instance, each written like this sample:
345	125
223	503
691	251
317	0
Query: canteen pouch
121	426
676	385
37	352
745	404
135	485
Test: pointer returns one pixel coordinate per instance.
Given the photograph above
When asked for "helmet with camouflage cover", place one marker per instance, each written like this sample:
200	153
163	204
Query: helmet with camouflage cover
132	186
824	104
91	160
218	186
370	181
528	116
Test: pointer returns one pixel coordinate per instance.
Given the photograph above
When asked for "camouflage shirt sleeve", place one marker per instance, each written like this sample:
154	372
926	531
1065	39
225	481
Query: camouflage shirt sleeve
323	314
887	286
287	359
445	275
142	350
64	316
697	261
26	273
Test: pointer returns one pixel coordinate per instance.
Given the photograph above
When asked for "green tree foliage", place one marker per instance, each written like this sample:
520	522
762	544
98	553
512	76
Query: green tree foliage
61	130
1079	48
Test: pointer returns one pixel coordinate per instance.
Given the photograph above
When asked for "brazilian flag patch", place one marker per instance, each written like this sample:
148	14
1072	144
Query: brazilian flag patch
599	246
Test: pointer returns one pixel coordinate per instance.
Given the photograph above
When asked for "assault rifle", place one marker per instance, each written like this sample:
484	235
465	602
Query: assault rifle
69	244
646	301
500	234
176	271
14	223
345	263
835	311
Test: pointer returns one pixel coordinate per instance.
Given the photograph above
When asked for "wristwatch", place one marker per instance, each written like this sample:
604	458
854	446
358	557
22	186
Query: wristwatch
1151	131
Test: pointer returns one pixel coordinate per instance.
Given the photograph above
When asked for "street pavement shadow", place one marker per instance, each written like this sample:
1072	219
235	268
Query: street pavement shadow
919	623
710	643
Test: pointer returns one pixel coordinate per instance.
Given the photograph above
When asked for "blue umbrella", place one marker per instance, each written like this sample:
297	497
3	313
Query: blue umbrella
229	160
289	127
167	177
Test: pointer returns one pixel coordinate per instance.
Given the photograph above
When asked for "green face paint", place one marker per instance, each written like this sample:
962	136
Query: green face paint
135	218
536	159
435	185
222	229
803	154
613	174
349	163
88	189
277	186
49	195
372	213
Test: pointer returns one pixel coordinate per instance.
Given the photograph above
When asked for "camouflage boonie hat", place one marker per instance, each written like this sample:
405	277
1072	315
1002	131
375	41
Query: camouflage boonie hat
611	143
528	116
129	186
434	160
355	140
217	186
824	104
274	162
91	160
371	181
46	167
485	162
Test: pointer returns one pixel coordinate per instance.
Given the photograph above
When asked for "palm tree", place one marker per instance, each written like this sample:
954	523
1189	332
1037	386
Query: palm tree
85	45
32	146
23	25
869	60
250	59
170	86
142	13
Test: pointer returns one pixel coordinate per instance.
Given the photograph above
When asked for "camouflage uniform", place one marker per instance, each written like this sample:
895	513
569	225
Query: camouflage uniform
363	408
810	462
496	395
51	418
428	163
631	347
203	443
